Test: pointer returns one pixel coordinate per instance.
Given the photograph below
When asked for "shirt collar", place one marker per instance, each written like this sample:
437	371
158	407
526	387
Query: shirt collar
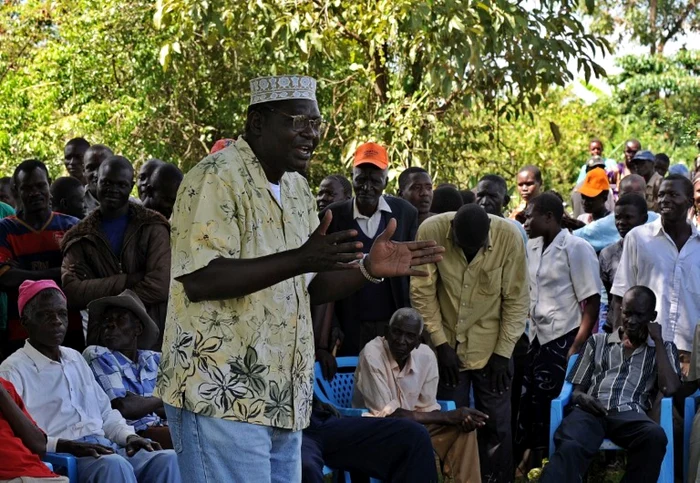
558	241
657	228
381	206
40	361
616	338
395	365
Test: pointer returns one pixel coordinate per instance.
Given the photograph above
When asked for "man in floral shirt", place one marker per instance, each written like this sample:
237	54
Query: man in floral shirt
238	354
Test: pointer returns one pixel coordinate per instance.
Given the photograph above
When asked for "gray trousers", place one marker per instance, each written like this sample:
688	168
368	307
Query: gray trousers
495	438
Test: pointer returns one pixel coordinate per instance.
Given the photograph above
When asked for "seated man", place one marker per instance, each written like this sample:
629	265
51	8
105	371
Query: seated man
61	393
397	376
22	442
124	366
615	381
393	450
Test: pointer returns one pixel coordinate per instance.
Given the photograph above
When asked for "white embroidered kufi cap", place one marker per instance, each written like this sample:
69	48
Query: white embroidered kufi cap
282	87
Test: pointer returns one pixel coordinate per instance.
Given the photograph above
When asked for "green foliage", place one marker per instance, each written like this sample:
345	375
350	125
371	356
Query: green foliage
652	23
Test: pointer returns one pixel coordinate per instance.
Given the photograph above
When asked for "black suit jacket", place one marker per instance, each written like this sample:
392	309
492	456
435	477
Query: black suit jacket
406	227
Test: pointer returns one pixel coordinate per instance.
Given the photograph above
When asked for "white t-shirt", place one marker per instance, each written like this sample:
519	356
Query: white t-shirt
276	192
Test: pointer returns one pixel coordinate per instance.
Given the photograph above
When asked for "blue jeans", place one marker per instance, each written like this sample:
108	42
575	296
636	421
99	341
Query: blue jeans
144	466
212	450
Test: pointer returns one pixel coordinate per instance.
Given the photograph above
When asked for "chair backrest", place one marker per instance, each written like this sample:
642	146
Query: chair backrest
339	390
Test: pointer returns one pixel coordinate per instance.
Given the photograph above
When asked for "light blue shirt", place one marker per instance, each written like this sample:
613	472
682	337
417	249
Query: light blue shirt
603	233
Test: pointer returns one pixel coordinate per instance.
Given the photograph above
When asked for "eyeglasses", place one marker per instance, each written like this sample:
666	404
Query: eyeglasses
301	122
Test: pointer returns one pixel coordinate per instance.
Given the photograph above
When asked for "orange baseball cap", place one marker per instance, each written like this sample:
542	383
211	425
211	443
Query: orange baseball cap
371	153
595	183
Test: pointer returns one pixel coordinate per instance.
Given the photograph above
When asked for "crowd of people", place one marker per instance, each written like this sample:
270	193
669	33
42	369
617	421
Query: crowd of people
172	336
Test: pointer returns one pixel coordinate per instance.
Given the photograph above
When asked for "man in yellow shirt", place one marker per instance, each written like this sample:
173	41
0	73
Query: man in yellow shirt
474	303
238	352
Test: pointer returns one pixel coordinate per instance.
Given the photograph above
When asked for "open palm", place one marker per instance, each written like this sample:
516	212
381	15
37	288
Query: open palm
389	258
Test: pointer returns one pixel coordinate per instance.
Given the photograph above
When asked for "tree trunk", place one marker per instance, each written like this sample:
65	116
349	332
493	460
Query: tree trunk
652	26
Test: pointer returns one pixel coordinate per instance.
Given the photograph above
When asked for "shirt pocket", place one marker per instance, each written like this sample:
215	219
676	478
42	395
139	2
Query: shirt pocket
489	283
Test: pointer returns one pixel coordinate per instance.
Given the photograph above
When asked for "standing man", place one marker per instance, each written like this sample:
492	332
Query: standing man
665	256
632	147
594	194
119	246
94	157
161	190
68	197
661	163
73	154
563	276
595	163
144	176
6	192
474	304
333	188
416	187
237	367
29	250
365	314
643	165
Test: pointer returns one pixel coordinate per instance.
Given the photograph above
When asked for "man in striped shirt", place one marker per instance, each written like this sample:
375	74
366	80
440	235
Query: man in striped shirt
615	380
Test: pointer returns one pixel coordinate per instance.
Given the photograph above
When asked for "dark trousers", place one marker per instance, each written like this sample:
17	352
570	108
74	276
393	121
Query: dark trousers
392	450
578	438
544	378
495	438
519	367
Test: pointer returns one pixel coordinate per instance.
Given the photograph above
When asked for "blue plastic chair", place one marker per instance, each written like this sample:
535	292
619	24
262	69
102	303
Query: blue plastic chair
338	393
63	464
690	407
564	398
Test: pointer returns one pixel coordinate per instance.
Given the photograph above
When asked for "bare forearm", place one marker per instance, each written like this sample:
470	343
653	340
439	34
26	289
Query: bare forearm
21	425
228	278
588	320
136	407
433	417
668	380
331	286
14	277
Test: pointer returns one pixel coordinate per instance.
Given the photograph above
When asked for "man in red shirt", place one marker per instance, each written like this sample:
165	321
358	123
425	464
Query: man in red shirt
21	441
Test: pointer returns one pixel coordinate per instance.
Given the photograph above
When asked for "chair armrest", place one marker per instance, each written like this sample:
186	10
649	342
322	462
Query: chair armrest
689	408
352	412
556	414
447	405
666	475
63	464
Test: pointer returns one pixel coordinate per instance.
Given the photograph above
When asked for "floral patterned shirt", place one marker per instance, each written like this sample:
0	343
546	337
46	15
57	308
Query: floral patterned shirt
250	358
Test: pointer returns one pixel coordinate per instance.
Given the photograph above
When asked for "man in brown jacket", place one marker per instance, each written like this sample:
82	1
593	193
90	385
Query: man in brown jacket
119	246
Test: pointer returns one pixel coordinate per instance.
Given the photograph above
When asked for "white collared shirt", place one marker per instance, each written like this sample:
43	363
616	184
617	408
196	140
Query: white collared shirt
561	277
370	224
651	258
63	397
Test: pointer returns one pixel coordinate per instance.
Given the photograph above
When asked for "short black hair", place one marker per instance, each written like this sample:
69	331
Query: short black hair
169	172
531	168
445	198
662	157
100	150
548	203
63	187
471	222
343	182
687	184
596	140
499	180
646	292
78	143
633	199
27	166
120	161
406	173
468	196
634	141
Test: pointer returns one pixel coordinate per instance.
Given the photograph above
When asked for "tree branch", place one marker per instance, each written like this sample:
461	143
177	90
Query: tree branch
676	27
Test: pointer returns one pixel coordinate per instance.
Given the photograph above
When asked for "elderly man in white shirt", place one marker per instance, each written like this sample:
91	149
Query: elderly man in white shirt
563	275
665	256
63	397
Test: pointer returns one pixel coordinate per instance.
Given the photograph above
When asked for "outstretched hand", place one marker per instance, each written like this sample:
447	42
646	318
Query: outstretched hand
389	258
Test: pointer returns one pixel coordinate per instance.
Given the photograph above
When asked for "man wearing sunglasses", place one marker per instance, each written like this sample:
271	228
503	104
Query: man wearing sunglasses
237	365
